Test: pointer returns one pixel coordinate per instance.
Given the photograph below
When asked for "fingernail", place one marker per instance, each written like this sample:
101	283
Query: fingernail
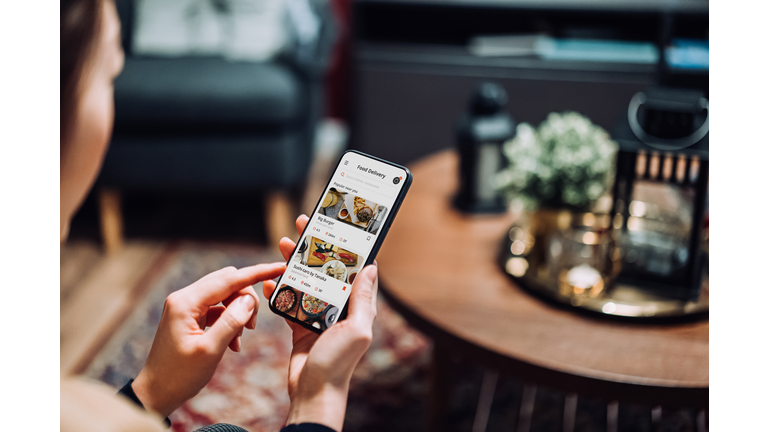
248	301
371	274
245	306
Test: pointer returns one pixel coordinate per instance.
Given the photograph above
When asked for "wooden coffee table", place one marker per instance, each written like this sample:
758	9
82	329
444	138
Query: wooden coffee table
439	268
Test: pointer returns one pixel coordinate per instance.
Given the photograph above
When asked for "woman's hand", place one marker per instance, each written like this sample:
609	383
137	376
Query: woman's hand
184	357
319	373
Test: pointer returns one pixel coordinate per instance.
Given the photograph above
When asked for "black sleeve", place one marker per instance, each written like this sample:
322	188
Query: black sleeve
306	427
127	391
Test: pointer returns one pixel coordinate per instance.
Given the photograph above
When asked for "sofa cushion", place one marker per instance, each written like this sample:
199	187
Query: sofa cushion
195	162
206	90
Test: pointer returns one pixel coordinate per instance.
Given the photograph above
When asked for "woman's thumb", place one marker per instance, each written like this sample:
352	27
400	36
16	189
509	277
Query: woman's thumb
231	321
362	300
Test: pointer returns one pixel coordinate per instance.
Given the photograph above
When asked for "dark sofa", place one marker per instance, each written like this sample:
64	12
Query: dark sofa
209	124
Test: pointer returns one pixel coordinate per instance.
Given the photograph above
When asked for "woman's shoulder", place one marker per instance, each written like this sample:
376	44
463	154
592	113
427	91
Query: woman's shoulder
88	405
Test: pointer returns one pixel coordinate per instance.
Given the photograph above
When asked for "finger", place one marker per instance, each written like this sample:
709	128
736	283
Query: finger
286	247
217	274
268	288
247	290
211	289
362	300
235	344
301	223
231	322
214	312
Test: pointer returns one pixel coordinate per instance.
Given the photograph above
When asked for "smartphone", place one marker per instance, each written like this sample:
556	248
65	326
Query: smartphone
343	235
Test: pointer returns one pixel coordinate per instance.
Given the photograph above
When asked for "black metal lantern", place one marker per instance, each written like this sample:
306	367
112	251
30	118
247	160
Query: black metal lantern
661	189
481	132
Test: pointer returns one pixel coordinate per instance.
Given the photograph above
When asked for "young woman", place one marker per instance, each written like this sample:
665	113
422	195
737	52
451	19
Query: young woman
183	356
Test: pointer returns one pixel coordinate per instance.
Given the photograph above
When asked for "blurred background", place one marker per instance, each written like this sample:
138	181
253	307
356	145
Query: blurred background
229	117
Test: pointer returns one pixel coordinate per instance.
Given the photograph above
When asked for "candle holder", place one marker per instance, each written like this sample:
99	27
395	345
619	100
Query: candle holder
481	132
577	266
661	189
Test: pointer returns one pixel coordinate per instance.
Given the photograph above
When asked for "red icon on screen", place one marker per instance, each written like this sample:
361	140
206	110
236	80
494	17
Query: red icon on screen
342	174
344	289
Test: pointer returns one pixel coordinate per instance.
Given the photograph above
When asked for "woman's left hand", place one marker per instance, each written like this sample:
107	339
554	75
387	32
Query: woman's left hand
184	356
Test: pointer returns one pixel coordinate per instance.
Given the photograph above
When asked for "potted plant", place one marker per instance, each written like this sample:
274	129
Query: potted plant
565	164
557	173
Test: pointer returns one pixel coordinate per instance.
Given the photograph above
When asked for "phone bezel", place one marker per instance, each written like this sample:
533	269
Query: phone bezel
384	230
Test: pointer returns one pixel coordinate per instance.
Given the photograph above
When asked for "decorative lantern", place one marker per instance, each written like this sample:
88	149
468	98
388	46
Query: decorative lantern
481	132
661	190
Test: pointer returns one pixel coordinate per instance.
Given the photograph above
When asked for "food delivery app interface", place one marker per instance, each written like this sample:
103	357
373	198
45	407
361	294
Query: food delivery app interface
340	236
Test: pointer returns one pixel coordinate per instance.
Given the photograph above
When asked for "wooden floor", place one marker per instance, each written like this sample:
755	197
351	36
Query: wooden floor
98	291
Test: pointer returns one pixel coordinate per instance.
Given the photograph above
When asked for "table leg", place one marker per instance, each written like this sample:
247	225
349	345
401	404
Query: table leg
656	418
701	421
440	388
569	412
485	401
613	416
526	407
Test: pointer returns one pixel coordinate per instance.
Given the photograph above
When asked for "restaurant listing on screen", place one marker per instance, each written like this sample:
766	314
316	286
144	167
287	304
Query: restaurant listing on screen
339	237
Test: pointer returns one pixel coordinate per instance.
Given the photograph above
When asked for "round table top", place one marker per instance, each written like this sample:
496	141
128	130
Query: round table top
440	269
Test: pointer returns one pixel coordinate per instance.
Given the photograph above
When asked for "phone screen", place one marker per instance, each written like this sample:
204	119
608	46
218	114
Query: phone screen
343	231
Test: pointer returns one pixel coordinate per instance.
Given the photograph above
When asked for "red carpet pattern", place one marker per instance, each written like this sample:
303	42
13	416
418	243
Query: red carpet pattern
249	388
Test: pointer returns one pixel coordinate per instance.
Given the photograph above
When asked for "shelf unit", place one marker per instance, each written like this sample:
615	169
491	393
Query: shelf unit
413	74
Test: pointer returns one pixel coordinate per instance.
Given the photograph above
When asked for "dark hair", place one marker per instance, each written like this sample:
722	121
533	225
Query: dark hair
80	27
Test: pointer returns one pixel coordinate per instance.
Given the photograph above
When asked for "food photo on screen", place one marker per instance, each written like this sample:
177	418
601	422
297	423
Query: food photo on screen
316	312
305	307
287	300
353	210
332	260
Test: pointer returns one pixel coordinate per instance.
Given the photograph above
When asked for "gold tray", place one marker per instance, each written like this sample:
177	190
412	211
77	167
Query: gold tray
612	299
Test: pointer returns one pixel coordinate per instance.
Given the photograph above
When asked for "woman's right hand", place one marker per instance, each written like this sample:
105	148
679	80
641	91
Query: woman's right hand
184	356
319	373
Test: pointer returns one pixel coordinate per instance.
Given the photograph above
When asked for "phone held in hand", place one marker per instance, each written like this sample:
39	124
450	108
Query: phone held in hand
343	235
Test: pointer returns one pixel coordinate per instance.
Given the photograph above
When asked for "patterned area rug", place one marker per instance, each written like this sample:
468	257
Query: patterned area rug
389	388
249	388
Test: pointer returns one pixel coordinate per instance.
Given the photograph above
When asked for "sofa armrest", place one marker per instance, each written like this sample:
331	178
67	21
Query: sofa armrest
311	58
